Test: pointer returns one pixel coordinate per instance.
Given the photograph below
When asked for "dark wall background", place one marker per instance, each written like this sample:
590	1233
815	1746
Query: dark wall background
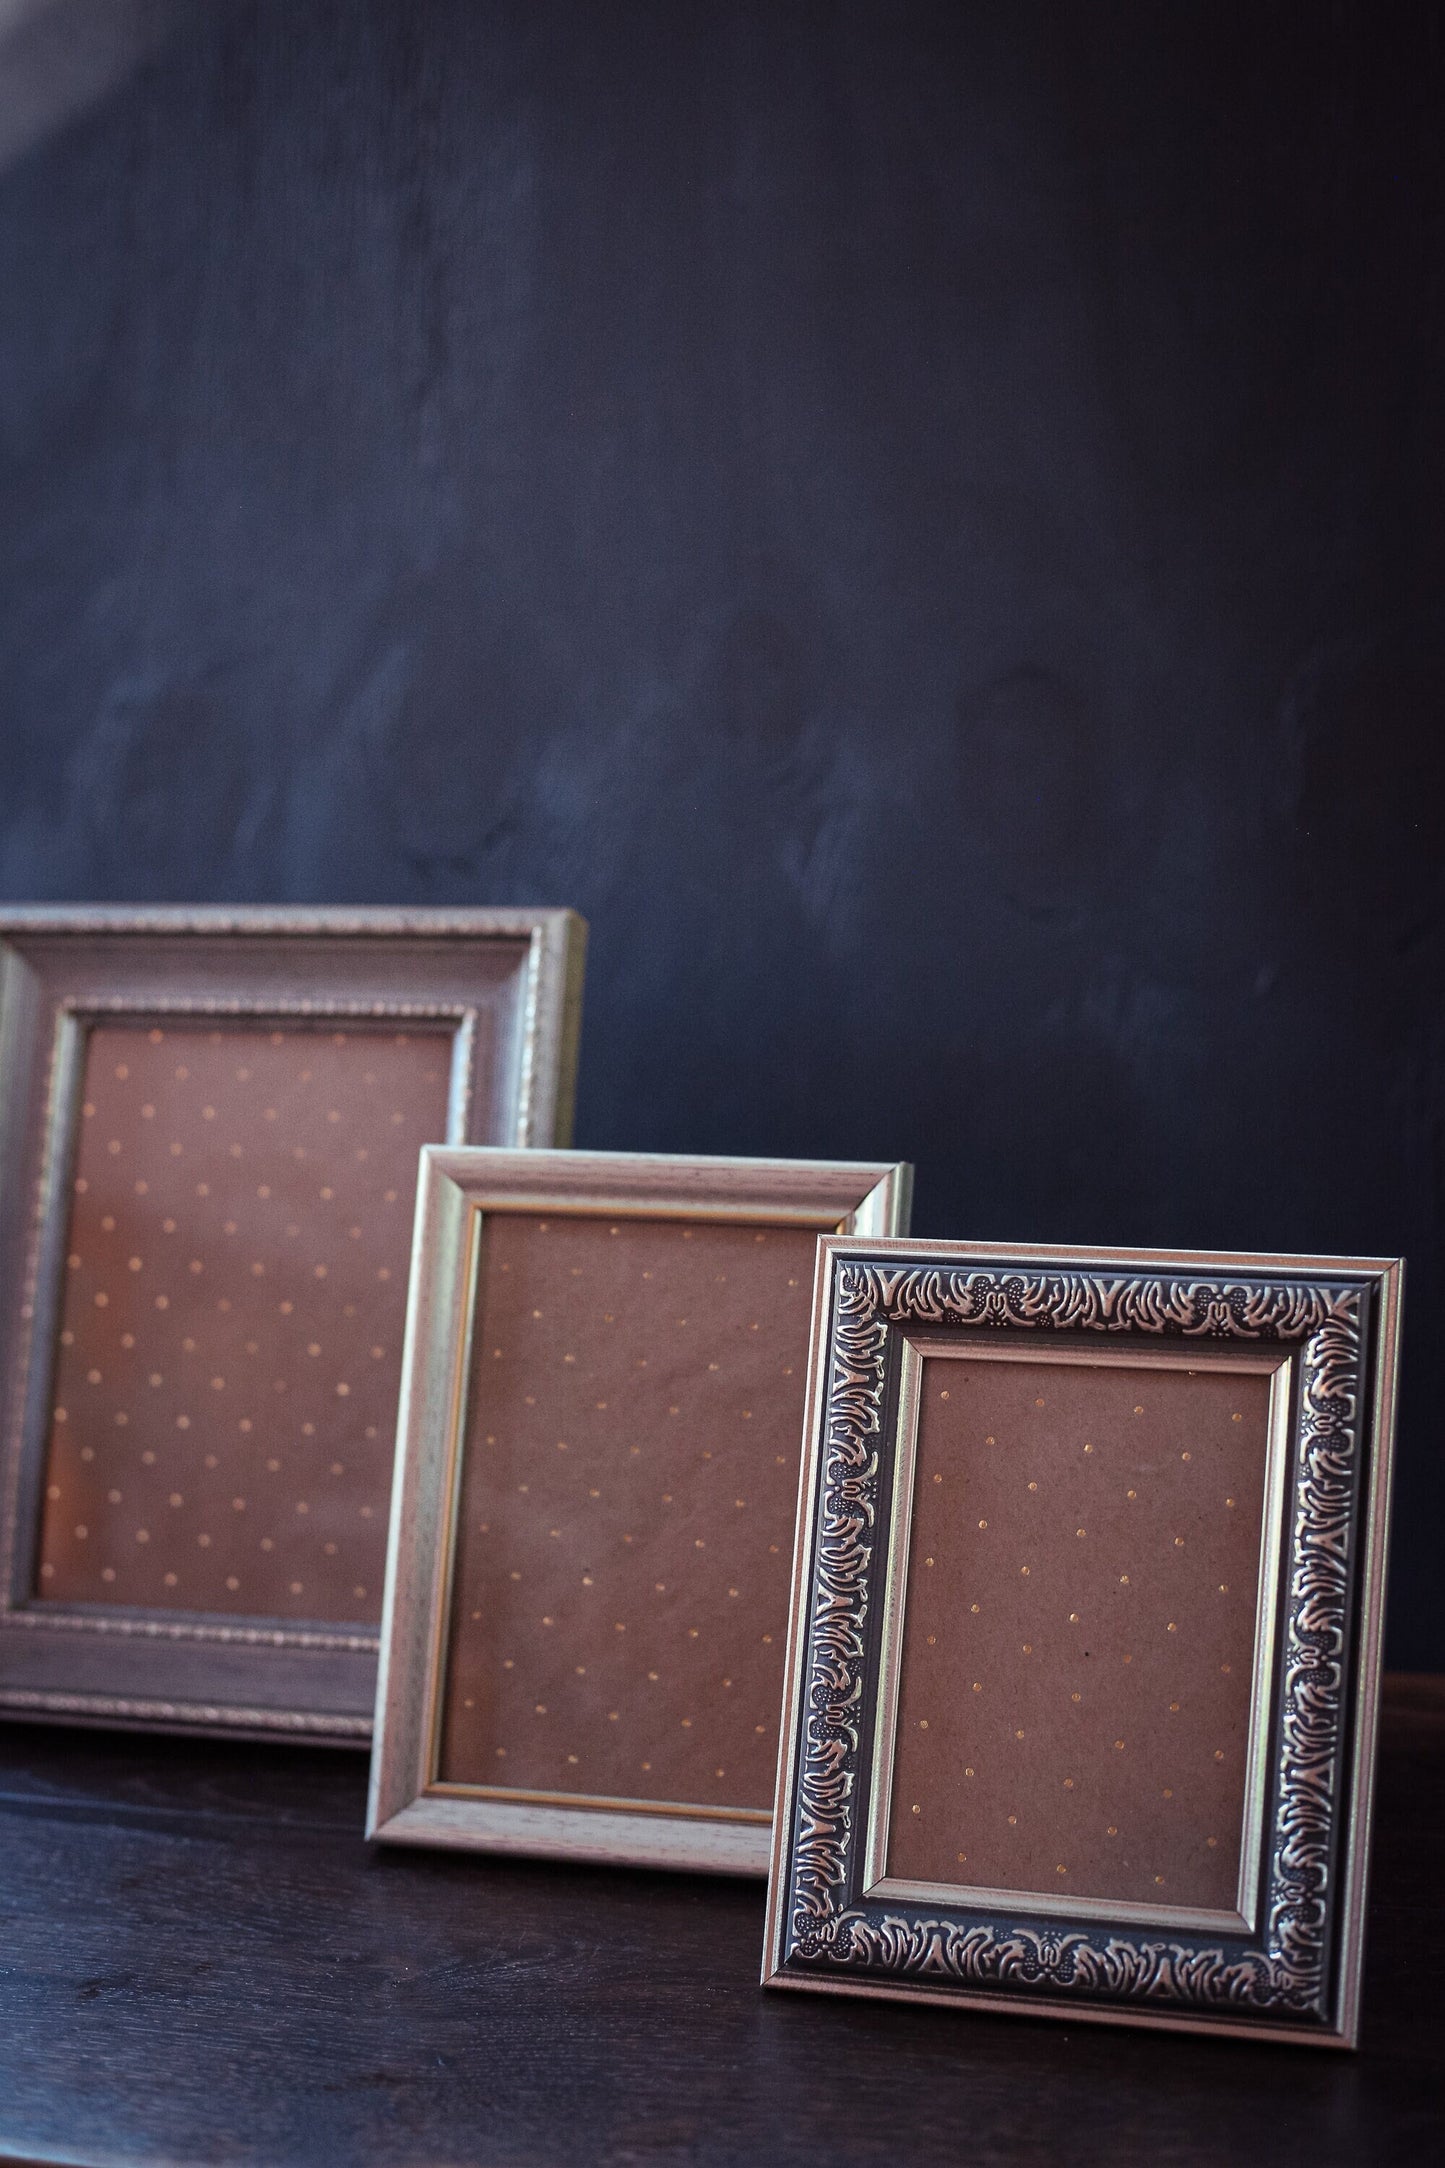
922	521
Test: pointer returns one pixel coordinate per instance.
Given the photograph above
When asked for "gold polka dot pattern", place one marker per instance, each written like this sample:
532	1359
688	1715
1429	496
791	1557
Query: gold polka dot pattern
224	1409
1075	1687
625	1532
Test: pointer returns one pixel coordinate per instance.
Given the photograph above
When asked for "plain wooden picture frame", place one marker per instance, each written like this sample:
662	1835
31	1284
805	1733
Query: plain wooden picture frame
210	1121
596	1480
1084	1666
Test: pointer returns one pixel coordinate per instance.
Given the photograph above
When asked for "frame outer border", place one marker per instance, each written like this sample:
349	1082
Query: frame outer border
539	1092
1384	1279
1371	1595
428	1470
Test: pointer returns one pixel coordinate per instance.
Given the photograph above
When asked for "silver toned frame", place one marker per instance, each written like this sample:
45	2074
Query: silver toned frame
1286	1964
408	1804
63	968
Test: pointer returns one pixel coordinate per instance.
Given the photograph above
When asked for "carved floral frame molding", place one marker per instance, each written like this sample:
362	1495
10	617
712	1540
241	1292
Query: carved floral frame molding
1298	1978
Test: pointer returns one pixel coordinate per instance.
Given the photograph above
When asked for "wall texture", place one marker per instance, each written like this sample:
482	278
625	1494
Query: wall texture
922	521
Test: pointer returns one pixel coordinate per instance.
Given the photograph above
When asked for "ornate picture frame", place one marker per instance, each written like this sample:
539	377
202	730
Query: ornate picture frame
964	1815
210	1122
587	1586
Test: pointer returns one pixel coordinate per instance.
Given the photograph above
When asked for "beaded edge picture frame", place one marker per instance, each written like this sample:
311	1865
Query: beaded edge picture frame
501	988
834	1923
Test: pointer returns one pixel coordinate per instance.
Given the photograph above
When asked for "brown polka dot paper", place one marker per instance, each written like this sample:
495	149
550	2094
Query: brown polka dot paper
626	1523
1078	1651
224	1405
597	1483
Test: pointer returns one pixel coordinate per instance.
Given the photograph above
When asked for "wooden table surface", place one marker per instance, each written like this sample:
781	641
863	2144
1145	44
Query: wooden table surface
202	1962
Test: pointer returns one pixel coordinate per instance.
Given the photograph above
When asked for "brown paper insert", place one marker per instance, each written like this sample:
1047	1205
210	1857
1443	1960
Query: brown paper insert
1075	1685
224	1406
631	1466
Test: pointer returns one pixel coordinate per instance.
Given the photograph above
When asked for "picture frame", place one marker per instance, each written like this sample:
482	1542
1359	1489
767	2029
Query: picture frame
210	1122
587	1585
1084	1665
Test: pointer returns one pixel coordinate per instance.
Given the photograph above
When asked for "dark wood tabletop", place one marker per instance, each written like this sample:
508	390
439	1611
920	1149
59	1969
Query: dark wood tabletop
203	1962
